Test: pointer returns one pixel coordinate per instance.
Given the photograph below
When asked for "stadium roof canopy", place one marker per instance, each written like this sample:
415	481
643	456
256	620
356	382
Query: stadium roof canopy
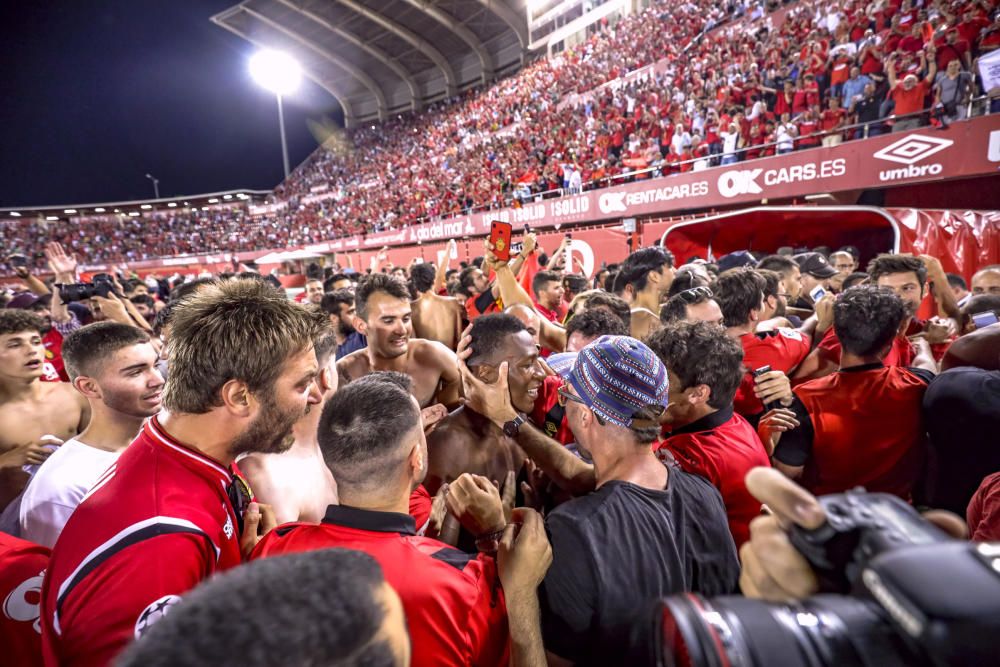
382	57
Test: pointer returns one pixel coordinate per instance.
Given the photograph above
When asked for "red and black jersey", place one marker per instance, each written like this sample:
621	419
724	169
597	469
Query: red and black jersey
22	567
454	606
55	368
420	507
860	426
781	349
900	354
548	415
721	447
155	525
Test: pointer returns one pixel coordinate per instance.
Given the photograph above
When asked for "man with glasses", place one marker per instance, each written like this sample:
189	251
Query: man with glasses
845	265
650	529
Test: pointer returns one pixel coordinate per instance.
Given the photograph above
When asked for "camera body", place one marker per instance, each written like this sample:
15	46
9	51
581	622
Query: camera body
895	590
100	286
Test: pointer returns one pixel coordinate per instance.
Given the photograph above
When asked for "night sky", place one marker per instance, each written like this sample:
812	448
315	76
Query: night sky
96	94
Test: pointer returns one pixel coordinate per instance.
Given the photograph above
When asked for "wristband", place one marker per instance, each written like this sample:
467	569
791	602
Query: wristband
488	541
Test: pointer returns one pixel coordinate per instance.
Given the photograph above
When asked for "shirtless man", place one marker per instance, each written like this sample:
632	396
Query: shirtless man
435	317
297	483
649	271
383	315
466	441
30	408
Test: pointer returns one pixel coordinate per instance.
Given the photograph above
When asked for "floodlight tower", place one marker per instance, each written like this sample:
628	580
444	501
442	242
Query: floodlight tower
279	73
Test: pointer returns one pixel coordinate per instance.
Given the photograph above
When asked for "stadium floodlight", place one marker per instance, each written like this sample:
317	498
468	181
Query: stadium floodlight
69	210
99	209
15	214
52	218
156	185
172	204
213	200
146	207
279	73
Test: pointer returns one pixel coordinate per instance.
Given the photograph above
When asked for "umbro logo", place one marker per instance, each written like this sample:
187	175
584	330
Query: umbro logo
912	149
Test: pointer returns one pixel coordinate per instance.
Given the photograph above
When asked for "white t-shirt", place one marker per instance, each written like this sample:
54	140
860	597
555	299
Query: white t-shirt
58	487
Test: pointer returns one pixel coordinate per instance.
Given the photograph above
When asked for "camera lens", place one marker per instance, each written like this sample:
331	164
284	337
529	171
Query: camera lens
826	630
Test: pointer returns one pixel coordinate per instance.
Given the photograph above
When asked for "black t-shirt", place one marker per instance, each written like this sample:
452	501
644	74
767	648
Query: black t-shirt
962	416
623	546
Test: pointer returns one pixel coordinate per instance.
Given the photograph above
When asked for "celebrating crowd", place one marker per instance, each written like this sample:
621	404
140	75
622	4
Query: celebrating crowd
678	86
503	463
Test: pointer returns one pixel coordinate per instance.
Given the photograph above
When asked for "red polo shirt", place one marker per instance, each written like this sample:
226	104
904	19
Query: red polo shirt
900	354
22	565
155	525
454	606
721	447
781	349
860	426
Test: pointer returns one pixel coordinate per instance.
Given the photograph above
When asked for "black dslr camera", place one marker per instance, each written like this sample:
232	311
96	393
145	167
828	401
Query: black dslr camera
101	286
896	591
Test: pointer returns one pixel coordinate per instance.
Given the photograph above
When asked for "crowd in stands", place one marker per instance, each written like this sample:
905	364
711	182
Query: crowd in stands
506	462
735	85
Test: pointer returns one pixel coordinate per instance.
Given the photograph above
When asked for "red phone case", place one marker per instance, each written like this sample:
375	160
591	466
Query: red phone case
500	233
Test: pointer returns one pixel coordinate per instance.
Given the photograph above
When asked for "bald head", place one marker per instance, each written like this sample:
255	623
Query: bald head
527	316
986	281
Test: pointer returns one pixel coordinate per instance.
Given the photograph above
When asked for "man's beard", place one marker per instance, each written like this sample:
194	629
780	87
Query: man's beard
269	433
345	328
781	308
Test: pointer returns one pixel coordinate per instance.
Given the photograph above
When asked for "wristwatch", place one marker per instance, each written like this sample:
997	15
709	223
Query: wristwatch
511	428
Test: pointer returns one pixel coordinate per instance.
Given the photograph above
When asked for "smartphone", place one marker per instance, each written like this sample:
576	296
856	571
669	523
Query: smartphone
500	235
817	293
756	374
985	319
18	260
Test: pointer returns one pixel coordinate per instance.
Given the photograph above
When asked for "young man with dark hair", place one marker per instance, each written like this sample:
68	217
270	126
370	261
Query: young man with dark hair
548	290
242	368
466	441
648	273
691	305
586	327
384	316
740	294
348	612
114	367
373	443
435	317
815	272
35	416
611	303
907	276
296	483
339	306
336	282
145	306
791	275
860	426
707	437
574	284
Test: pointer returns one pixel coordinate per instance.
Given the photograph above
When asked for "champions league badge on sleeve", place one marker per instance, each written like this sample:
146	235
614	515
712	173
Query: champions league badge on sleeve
154	612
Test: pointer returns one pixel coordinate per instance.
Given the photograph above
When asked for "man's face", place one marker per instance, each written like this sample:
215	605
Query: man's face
280	406
344	283
22	355
345	320
144	310
707	311
479	281
791	283
551	294
388	326
524	371
986	282
679	408
46	314
907	287
844	264
140	290
314	292
809	282
129	382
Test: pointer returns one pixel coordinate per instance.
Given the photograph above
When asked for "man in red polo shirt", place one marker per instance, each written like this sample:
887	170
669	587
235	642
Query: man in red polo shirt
169	512
548	289
909	94
861	426
740	294
707	438
373	442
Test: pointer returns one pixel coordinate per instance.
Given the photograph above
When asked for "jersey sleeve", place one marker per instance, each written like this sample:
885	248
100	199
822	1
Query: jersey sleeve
568	593
125	593
829	346
795	446
22	567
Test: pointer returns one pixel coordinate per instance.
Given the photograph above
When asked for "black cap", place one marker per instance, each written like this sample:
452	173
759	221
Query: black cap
815	265
735	260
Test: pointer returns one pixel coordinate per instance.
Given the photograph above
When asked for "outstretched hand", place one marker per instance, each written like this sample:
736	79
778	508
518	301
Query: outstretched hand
491	400
61	264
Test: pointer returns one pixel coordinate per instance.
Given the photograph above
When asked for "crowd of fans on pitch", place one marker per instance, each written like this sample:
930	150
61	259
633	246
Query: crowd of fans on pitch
736	86
504	462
